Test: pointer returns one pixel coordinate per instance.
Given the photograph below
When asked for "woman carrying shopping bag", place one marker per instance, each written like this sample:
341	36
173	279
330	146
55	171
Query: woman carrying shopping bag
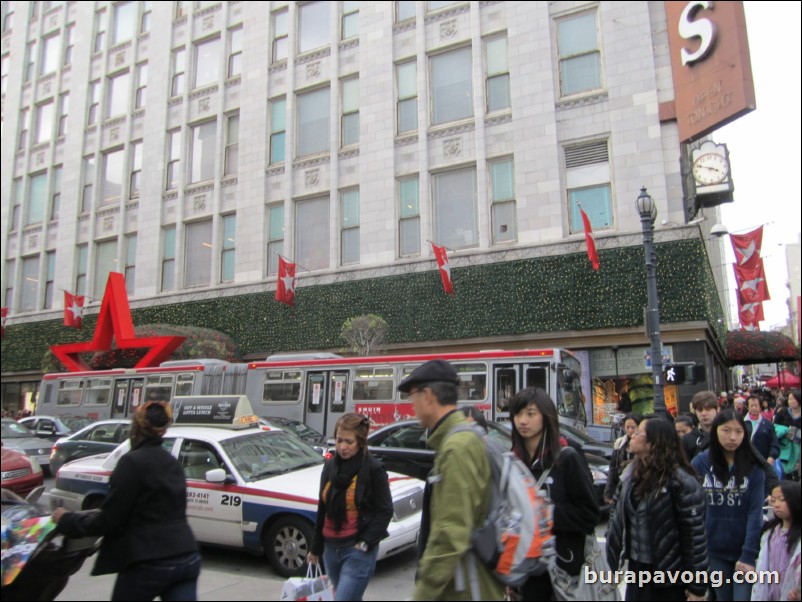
354	509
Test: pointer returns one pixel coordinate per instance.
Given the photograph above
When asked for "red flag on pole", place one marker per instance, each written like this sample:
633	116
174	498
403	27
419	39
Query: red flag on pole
4	314
445	268
73	310
747	247
751	281
592	255
285	286
750	313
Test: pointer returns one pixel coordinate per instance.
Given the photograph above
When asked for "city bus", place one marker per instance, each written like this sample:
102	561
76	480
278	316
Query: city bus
318	388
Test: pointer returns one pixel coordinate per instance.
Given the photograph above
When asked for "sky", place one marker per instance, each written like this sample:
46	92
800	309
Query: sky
764	148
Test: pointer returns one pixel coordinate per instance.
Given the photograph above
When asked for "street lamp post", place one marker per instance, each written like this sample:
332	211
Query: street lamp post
648	213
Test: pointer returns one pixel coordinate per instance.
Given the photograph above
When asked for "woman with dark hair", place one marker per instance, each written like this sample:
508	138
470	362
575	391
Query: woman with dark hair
474	414
657	522
143	520
780	545
622	456
354	508
536	441
734	482
788	424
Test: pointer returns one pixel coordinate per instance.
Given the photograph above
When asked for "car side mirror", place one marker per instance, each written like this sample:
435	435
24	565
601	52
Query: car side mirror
218	475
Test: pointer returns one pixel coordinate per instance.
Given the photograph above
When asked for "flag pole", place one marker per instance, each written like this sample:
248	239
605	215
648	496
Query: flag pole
303	268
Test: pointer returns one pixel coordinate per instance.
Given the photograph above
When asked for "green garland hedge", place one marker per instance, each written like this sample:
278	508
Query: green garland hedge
510	298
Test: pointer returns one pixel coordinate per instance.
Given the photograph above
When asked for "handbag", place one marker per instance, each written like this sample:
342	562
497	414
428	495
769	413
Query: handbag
315	586
574	587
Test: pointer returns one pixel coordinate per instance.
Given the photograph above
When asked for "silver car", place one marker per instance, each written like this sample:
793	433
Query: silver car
16	436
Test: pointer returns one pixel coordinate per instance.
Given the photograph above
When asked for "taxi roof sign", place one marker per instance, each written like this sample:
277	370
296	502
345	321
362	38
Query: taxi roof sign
230	411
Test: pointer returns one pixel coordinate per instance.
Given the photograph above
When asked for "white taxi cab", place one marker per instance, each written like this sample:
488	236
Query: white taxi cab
247	488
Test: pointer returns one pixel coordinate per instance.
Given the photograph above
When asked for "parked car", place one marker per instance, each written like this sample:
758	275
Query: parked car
16	436
54	427
20	473
97	438
588	444
247	488
402	448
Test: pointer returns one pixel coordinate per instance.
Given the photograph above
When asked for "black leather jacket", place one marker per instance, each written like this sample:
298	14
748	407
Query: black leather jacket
676	526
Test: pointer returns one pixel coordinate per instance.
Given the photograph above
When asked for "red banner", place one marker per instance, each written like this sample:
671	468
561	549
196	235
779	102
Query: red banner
751	282
445	268
73	310
285	286
4	314
750	313
590	241
747	247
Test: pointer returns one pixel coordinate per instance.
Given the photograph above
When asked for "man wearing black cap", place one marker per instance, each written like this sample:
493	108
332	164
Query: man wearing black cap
457	493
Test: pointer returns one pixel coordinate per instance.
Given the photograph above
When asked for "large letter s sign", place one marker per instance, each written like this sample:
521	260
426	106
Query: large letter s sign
703	28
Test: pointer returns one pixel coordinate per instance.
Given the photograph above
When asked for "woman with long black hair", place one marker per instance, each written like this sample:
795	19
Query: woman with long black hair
780	545
536	440
733	480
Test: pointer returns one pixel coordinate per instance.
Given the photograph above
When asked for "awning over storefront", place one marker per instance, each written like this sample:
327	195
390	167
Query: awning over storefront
745	348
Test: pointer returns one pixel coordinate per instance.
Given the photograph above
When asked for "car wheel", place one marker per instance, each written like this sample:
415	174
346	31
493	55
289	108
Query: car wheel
286	545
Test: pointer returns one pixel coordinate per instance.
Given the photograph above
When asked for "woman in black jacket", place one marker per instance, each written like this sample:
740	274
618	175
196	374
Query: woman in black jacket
143	520
658	521
536	440
354	508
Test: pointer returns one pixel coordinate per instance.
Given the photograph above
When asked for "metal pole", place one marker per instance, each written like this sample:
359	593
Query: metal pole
653	315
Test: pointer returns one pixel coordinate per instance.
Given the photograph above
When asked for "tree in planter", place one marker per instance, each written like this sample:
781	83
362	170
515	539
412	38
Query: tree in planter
364	334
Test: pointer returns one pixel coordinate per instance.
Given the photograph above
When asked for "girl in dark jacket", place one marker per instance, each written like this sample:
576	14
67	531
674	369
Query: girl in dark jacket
354	509
536	440
658	518
622	456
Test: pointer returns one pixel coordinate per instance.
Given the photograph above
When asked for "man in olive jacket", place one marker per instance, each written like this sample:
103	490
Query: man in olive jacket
457	494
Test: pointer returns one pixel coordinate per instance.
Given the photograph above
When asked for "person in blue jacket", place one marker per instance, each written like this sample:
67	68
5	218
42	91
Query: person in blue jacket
733	481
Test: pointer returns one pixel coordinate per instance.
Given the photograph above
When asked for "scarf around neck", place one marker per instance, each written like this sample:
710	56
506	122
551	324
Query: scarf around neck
341	474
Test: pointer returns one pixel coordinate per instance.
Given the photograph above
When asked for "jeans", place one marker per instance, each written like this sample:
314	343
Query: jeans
174	578
728	591
349	569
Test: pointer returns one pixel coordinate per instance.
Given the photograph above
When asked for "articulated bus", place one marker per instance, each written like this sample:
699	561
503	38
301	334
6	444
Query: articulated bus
318	388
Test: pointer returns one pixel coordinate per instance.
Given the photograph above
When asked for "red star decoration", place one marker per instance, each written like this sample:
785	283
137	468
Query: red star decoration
114	322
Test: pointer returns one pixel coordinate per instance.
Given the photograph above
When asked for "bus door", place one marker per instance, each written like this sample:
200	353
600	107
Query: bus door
508	379
127	396
325	399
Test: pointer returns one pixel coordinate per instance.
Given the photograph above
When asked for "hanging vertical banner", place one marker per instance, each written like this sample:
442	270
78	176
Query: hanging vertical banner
4	314
73	310
445	268
747	247
593	256
285	285
751	281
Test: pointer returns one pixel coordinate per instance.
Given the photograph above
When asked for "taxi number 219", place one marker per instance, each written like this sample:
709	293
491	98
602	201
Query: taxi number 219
231	500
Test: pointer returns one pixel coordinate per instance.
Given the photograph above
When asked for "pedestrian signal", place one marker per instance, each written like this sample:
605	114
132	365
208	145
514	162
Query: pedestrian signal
683	374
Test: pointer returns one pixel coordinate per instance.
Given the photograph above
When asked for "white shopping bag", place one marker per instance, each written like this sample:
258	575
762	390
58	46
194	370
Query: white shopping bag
315	586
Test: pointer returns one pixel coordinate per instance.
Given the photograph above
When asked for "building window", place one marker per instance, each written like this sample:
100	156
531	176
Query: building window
452	97
407	82
51	54
350	118
44	122
10	277
179	70
433	6
29	284
580	58
8	20
50	282
37	199
89	181
111	185
198	254
144	22
24	118
19	195
130	263
235	54
69	46
202	155
100	30
30	61
227	255
168	259
587	175
409	216
4	68
141	85
498	75
82	260
207	62
312	233
455	208
64	110
278	128
313	122
105	263
173	159
350	21
314	25
55	195
232	145
275	237
94	102
136	170
502	199
117	95
349	222
280	38
125	15
404	9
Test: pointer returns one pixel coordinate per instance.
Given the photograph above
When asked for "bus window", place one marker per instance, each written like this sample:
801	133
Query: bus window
537	377
373	384
406	371
69	392
570	401
506	381
339	384
159	388
185	384
472	381
315	386
282	387
98	392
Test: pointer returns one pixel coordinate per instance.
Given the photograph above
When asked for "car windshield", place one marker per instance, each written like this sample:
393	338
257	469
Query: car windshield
264	454
13	430
75	423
